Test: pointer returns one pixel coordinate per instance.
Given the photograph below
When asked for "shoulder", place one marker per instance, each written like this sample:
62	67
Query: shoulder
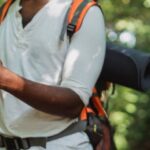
94	14
93	21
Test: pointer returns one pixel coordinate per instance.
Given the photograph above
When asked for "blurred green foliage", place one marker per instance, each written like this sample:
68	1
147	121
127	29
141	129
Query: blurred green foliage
129	109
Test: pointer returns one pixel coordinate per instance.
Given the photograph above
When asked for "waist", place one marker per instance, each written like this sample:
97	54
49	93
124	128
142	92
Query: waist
28	122
17	143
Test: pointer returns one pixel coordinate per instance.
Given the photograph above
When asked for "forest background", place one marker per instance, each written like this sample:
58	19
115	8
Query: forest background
128	24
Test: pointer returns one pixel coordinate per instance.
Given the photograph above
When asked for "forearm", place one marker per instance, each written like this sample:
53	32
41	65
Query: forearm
54	100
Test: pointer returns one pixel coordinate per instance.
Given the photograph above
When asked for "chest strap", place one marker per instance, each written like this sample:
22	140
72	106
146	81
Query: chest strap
15	143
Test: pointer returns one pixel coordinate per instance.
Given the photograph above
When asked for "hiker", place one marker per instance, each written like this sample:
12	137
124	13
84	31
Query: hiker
46	81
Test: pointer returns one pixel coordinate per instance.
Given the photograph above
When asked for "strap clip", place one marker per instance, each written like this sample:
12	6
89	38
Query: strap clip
15	143
70	30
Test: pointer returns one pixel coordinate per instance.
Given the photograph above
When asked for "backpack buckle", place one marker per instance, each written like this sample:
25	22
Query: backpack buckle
16	143
94	129
70	30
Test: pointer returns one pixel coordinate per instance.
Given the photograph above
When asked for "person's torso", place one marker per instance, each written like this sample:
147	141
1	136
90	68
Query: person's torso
36	53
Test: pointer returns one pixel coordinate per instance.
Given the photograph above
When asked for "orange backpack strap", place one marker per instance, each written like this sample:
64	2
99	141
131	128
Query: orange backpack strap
4	9
77	13
84	113
97	104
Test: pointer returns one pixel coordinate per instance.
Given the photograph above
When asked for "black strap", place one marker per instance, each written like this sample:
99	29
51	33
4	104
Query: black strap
16	143
73	128
64	27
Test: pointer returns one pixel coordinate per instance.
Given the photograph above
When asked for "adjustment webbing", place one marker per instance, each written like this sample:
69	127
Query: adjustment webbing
73	128
78	11
16	143
72	25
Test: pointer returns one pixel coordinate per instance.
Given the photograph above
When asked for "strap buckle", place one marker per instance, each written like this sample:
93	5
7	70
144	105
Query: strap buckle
70	30
1	141
15	143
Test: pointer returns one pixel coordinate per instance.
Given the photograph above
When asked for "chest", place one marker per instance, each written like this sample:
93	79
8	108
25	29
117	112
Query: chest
41	35
30	8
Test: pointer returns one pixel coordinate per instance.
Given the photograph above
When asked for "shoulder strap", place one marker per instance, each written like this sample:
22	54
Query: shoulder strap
4	9
77	13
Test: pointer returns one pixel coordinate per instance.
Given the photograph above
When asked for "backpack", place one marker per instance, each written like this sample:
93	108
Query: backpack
94	117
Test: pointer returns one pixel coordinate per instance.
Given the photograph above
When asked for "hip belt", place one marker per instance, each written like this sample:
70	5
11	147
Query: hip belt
16	143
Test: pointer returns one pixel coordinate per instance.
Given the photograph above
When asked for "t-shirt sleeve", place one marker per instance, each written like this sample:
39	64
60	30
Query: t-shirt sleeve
85	56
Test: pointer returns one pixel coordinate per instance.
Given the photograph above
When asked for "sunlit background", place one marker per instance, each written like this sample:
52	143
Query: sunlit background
128	24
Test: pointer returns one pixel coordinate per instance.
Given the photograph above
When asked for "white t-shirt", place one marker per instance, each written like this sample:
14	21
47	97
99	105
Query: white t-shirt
36	53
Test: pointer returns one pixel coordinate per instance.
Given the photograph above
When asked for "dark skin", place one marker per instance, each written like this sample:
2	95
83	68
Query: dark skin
50	99
30	8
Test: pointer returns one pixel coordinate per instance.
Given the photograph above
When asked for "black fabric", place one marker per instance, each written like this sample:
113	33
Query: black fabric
127	67
16	143
94	129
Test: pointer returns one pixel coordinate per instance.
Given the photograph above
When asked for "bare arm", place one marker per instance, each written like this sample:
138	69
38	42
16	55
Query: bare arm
54	100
